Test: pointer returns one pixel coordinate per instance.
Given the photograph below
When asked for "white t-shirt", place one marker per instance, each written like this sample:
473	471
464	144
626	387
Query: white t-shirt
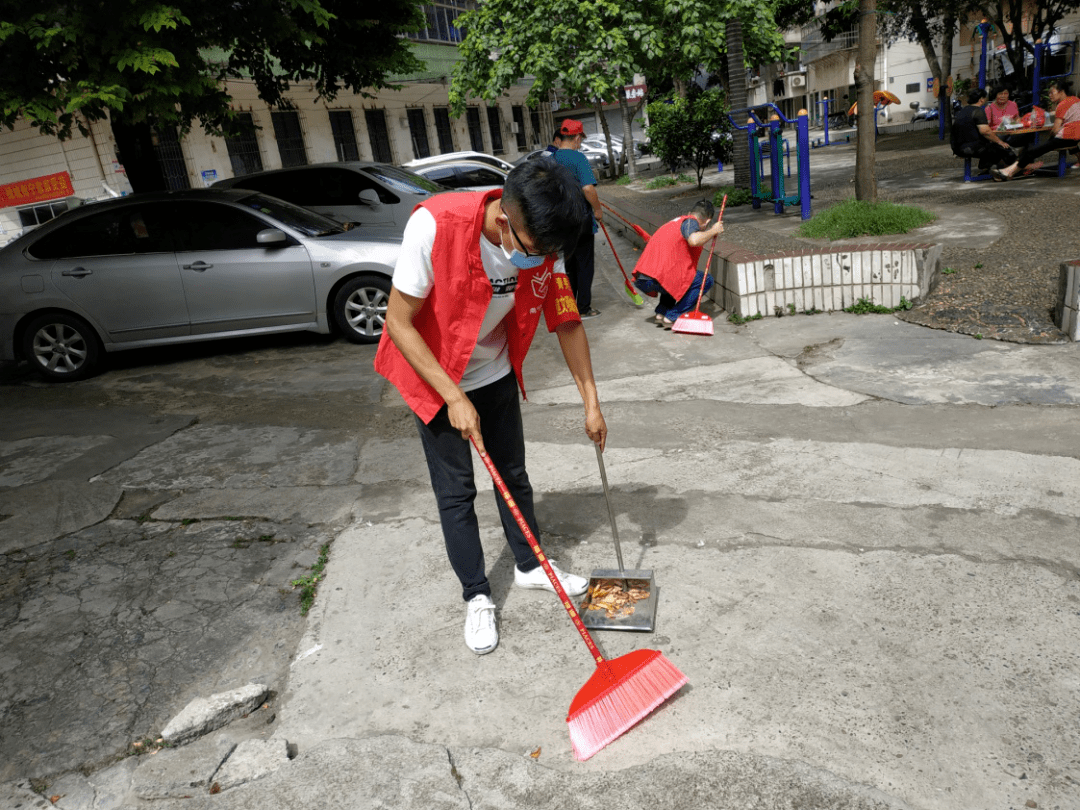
414	275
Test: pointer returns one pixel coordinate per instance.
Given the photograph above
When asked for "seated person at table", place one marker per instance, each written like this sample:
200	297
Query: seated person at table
973	137
668	265
1065	134
1000	113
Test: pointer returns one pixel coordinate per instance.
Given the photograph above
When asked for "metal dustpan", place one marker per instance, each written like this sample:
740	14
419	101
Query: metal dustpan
643	616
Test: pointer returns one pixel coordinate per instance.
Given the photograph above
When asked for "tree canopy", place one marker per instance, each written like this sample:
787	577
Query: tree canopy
156	62
589	49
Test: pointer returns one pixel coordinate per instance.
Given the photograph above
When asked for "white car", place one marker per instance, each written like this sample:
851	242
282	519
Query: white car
470	175
481	157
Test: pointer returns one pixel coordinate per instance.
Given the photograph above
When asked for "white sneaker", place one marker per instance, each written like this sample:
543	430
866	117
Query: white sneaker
481	634
571	583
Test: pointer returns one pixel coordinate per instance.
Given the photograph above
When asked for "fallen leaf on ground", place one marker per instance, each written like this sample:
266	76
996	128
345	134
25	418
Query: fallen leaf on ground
535	754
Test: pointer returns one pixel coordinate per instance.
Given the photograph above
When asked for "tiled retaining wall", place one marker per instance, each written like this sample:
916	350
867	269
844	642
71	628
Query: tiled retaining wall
1067	312
824	279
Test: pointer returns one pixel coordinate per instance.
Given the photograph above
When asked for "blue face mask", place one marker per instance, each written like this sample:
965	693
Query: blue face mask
520	259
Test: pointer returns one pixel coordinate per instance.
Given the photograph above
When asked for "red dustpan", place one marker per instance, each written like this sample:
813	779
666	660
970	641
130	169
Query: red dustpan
623	690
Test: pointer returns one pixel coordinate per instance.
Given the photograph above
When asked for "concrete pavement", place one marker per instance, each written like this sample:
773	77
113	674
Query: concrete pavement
863	532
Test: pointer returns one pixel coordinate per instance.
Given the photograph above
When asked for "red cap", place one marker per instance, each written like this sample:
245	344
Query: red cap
571	126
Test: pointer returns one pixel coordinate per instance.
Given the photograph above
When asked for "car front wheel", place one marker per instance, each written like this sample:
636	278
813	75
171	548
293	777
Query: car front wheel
360	308
61	347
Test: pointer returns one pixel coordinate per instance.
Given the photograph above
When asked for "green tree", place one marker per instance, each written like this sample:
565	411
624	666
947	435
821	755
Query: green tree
145	64
686	130
589	50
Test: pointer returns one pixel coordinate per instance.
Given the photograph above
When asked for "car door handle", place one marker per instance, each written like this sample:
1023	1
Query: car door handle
77	272
199	266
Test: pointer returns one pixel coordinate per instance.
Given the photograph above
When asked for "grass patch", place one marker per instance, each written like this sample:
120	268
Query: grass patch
853	218
735	196
623	181
309	583
865	306
667	180
738	319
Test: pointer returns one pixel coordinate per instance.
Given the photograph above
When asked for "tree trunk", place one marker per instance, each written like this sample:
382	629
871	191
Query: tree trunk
613	167
865	185
135	145
946	70
627	137
737	101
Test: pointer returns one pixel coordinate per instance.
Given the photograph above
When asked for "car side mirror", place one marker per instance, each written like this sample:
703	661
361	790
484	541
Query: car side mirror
369	196
271	236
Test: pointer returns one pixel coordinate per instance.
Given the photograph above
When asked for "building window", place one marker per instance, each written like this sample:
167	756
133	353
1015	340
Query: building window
290	139
379	137
418	132
476	134
443	130
912	88
496	130
341	125
34	215
519	124
441	21
170	158
534	116
243	148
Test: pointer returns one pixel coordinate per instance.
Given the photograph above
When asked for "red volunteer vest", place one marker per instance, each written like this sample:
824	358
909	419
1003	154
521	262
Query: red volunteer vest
452	314
669	258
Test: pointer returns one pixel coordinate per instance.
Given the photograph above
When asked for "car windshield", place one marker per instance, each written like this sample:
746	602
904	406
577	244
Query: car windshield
293	216
404	181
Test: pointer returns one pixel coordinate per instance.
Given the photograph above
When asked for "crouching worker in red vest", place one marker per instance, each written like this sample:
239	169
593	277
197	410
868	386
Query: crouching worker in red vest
474	274
668	265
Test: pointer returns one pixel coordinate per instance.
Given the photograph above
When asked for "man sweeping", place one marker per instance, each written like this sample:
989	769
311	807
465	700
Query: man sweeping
476	271
668	265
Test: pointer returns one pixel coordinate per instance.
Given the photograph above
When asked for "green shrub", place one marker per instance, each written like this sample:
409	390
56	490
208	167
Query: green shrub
853	218
735	196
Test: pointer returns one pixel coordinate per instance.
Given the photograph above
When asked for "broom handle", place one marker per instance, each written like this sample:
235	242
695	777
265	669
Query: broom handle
626	278
708	264
616	213
539	552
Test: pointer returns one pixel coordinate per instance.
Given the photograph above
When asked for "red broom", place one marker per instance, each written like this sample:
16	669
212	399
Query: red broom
635	296
623	690
644	234
697	322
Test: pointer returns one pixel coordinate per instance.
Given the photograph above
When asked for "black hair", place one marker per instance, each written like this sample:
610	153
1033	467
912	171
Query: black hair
560	136
1061	85
998	89
975	94
704	209
551	203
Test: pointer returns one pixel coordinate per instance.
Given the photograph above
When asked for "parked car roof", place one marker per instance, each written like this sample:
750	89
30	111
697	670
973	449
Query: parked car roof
480	156
470	174
351	191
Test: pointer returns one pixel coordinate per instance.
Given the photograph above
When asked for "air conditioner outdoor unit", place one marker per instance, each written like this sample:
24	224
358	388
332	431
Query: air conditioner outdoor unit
798	81
513	127
755	81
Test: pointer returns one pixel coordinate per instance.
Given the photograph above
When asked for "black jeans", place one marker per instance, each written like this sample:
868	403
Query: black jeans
450	463
1049	145
580	268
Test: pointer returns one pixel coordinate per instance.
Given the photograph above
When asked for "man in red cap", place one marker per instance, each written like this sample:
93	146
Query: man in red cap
565	149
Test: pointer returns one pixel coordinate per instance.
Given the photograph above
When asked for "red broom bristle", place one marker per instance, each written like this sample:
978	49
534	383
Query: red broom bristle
620	693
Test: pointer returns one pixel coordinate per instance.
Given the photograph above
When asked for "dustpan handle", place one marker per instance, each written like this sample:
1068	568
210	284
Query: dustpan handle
539	552
610	510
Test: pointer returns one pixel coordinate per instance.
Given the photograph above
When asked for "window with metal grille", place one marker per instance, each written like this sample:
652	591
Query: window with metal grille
42	212
418	132
519	119
476	134
243	148
380	139
290	138
496	130
171	158
538	136
341	125
441	21
912	88
443	130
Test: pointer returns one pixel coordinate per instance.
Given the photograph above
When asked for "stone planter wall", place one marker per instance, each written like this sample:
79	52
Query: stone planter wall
1067	312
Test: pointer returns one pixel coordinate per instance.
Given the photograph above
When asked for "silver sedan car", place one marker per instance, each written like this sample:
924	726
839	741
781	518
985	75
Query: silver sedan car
176	267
